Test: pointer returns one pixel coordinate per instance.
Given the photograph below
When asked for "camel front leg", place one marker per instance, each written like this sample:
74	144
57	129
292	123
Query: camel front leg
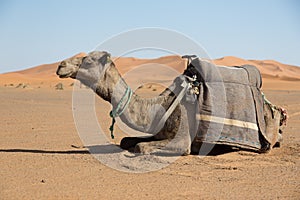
177	138
150	147
163	147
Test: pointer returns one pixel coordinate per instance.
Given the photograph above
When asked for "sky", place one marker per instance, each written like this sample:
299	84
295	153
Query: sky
35	32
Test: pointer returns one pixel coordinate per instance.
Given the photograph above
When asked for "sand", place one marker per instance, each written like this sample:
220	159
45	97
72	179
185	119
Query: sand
43	157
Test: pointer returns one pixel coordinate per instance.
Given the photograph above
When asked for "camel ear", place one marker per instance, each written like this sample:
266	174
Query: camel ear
108	58
101	57
105	59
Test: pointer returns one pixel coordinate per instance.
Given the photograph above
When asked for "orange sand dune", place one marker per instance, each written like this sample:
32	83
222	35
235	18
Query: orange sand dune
126	64
273	72
43	156
268	68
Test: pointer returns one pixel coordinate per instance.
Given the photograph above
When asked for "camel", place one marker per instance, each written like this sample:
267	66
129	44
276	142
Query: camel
97	71
171	130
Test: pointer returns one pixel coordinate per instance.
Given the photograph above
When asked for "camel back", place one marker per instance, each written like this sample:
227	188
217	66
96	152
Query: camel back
230	104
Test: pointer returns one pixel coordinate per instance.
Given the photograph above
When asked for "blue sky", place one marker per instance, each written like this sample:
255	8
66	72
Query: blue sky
35	32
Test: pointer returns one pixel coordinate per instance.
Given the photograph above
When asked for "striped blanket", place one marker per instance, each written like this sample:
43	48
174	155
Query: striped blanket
231	106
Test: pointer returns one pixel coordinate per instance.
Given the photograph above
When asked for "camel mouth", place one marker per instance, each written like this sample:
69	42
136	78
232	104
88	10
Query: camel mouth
63	73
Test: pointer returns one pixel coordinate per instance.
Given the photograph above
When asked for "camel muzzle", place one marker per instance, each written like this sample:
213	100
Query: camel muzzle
63	71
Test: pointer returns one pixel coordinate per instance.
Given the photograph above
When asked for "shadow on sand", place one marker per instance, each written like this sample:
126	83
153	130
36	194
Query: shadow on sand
111	149
96	149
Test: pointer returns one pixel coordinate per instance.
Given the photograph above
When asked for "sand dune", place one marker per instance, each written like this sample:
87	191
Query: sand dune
268	68
126	64
43	157
272	71
40	75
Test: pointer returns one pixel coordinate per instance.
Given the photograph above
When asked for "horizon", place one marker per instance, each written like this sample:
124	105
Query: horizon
150	58
39	33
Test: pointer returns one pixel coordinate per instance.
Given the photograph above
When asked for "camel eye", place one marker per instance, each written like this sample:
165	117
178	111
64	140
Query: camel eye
87	60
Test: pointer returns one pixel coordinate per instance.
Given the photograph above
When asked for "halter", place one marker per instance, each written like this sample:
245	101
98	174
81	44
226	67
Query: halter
119	109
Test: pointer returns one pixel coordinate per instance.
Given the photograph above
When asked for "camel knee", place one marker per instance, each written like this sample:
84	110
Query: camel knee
127	143
130	142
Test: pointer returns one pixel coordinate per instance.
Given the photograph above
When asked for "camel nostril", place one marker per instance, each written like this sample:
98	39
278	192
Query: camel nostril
61	65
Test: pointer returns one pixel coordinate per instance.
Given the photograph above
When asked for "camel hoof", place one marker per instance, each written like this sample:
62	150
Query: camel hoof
187	152
141	149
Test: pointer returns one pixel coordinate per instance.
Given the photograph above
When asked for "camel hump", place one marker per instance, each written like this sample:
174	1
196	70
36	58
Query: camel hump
222	117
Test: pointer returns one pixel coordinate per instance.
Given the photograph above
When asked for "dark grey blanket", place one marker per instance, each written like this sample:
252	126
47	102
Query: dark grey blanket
230	104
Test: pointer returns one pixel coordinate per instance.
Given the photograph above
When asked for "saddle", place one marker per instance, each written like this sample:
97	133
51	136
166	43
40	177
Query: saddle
231	108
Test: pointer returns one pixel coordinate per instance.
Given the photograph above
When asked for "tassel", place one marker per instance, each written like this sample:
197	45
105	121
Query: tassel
111	128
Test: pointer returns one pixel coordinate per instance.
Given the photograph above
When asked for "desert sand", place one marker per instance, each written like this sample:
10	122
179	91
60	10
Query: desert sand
43	157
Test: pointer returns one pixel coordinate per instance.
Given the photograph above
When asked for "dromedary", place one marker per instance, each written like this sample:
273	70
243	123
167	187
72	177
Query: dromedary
164	116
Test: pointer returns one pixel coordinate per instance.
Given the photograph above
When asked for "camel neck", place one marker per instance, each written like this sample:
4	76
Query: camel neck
120	94
140	113
110	86
122	104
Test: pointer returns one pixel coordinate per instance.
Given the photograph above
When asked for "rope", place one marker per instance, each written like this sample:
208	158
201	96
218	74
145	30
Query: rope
266	101
128	93
119	110
170	110
283	112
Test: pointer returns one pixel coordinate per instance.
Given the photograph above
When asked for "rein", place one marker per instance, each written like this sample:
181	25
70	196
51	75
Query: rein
119	109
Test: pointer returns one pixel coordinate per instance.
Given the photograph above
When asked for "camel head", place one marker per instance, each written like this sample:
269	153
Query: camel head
87	68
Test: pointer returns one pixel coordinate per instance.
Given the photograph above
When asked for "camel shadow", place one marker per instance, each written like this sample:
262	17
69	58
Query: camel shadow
217	150
96	149
38	151
105	149
208	150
